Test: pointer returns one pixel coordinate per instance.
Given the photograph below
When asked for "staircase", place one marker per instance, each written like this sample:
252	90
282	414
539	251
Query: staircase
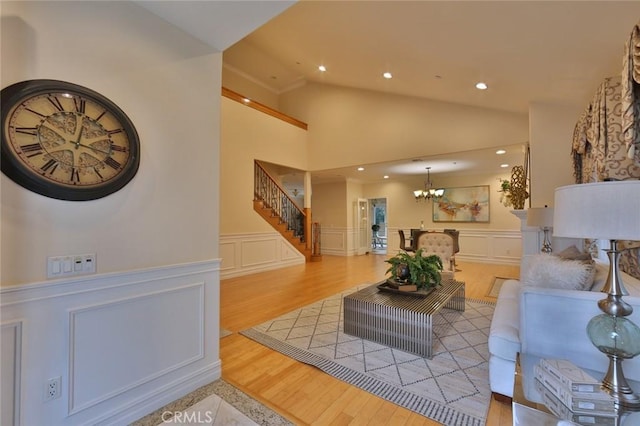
276	207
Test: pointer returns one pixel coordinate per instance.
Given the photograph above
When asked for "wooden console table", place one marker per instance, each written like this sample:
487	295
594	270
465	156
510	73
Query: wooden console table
399	321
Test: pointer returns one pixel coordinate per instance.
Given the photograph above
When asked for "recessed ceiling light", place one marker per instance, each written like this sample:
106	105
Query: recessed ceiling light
387	75
501	151
385	177
322	68
246	100
504	166
481	86
360	169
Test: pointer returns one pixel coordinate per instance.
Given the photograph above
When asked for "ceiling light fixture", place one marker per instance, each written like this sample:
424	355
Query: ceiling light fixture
481	86
322	68
504	166
385	177
429	191
360	169
501	151
387	75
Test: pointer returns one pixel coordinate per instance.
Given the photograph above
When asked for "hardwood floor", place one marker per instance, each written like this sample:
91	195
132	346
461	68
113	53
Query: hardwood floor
302	393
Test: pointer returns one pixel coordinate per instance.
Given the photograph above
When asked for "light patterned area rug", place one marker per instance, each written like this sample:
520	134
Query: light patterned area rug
451	388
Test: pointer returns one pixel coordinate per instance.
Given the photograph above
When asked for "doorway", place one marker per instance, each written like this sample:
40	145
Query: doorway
378	215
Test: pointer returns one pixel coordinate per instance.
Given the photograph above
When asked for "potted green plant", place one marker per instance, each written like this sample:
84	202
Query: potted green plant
505	190
421	271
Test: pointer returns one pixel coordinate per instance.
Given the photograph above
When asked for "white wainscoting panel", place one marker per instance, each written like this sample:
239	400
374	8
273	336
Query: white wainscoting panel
490	246
334	241
10	356
473	246
506	247
476	245
244	254
228	254
124	324
124	344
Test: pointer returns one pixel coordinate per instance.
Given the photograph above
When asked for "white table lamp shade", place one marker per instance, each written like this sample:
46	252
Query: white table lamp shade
540	216
602	210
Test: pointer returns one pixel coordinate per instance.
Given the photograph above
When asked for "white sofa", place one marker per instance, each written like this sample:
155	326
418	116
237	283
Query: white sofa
551	323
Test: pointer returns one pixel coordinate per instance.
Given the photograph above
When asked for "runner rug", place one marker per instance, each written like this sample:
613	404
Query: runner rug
451	388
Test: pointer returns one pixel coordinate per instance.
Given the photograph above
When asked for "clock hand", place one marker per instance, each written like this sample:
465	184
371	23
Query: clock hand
79	126
77	142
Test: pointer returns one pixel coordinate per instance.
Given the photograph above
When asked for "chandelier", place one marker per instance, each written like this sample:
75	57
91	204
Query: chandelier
429	191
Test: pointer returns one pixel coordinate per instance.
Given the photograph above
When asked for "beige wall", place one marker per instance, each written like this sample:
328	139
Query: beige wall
248	135
169	85
350	126
404	212
244	86
551	131
329	205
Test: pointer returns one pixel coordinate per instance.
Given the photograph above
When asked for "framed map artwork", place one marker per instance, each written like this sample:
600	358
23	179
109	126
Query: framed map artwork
463	204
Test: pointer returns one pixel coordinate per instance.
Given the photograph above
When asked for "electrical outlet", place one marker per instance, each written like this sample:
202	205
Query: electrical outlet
52	388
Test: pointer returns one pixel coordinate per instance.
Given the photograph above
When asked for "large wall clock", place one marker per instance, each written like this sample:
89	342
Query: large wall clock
66	141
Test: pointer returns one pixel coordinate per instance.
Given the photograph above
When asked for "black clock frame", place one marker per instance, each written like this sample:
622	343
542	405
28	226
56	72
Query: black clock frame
13	168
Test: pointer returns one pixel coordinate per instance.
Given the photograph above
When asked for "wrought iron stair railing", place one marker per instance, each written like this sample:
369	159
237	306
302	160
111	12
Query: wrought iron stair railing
274	197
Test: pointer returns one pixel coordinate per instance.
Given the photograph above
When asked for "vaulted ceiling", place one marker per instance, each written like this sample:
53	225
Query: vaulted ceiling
525	51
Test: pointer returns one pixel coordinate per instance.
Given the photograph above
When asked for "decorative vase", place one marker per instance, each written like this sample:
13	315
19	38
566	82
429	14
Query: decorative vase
402	272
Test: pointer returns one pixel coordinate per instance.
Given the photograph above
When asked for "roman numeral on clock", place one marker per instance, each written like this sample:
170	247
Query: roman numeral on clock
80	104
75	175
56	103
97	172
118	148
50	166
32	131
112	163
32	149
35	112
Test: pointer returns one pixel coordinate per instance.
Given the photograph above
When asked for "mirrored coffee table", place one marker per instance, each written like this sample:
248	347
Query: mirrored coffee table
401	321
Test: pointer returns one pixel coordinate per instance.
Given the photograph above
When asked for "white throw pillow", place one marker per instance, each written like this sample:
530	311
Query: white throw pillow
546	270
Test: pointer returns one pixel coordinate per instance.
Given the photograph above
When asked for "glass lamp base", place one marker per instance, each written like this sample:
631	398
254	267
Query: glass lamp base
619	339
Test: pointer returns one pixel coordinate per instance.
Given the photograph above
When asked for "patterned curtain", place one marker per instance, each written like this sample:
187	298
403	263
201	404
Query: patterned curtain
630	95
600	150
630	260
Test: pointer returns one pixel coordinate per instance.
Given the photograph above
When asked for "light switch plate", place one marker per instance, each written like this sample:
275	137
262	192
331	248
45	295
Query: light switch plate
70	265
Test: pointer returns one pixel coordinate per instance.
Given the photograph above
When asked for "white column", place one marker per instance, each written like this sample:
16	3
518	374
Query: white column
307	190
531	236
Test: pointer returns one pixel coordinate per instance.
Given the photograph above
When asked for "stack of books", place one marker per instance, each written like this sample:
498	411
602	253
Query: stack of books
572	394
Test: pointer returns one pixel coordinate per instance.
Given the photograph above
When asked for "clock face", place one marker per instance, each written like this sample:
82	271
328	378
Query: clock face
65	141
